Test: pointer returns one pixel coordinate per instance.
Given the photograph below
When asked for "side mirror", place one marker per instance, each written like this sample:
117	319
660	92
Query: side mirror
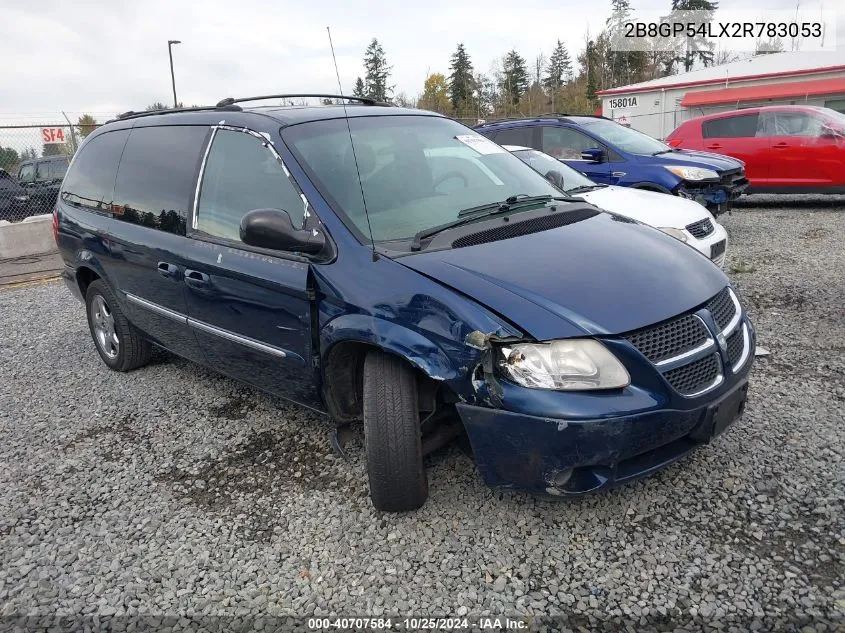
272	228
594	155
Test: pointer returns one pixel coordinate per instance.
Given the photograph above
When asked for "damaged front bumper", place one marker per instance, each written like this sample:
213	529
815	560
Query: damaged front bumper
563	457
716	195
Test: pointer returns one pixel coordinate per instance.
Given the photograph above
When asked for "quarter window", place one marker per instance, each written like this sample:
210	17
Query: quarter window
157	175
242	174
566	143
742	126
90	183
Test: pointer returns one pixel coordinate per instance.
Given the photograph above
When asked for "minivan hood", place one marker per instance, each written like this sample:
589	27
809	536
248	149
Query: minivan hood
651	207
599	276
690	158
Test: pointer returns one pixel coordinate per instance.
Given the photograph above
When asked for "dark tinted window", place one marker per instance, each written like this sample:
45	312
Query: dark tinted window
51	170
157	176
242	175
91	181
57	169
522	136
742	126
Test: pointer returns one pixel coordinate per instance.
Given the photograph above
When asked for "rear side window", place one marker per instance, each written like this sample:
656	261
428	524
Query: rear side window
742	126
522	136
241	175
90	183
156	181
57	169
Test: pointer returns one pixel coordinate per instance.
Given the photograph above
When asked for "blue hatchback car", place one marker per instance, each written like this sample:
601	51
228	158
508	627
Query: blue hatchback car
613	154
393	266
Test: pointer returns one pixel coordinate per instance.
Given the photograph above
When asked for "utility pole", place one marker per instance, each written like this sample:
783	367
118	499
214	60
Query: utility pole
170	44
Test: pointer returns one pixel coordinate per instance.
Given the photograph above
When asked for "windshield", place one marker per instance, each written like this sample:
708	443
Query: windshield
417	172
546	165
625	138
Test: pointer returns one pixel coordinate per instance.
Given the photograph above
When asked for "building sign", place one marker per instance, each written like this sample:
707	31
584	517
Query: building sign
52	135
624	102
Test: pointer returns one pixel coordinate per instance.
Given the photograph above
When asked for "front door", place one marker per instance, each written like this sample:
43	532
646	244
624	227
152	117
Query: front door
738	136
250	309
793	138
566	144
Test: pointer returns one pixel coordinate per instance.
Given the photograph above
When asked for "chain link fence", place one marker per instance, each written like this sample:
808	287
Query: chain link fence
33	162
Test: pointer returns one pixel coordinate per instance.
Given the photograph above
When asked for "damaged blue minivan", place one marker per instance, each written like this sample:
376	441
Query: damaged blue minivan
393	266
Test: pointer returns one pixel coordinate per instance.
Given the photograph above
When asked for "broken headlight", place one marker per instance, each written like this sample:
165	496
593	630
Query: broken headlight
568	365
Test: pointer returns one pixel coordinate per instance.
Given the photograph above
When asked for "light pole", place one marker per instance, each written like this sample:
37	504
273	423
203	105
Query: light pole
170	44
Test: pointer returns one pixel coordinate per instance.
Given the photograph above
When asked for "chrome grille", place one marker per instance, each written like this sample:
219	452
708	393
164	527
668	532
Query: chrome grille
722	308
700	229
696	377
670	339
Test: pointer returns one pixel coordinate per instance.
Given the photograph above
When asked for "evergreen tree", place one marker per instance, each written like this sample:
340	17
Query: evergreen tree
559	68
592	71
514	79
377	72
85	125
461	80
695	48
358	91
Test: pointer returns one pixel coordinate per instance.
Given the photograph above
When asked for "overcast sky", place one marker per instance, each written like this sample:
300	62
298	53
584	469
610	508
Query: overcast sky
108	57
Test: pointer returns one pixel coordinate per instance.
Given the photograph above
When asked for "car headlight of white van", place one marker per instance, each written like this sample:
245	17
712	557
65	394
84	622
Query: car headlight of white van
692	173
678	234
567	365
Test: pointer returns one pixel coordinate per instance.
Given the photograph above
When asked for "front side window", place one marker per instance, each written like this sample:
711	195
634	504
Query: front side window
625	138
741	126
789	124
157	175
416	172
26	173
90	183
566	143
242	174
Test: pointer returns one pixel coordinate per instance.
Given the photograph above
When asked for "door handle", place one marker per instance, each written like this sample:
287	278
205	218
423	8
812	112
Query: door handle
781	145
714	146
196	279
167	270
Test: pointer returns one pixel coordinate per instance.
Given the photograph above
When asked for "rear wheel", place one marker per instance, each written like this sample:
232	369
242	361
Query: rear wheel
392	432
119	344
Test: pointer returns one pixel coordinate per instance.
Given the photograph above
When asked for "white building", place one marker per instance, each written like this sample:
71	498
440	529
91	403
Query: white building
800	77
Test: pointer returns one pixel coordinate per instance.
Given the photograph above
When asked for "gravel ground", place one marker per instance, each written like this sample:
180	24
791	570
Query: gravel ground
173	491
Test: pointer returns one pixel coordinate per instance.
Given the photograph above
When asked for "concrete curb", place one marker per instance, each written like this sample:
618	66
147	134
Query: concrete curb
32	236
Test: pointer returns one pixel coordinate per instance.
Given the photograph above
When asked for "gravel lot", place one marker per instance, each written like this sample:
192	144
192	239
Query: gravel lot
171	490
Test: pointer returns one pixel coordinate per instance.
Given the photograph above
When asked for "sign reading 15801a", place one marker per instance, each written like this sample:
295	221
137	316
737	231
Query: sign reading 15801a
624	102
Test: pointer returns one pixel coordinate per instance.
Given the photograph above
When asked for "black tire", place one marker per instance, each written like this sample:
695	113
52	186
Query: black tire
398	482
132	350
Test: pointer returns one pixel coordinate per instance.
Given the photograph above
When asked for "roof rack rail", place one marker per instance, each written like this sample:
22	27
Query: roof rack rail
131	114
228	101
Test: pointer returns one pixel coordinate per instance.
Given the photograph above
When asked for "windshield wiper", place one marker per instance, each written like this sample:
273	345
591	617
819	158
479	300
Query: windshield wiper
484	211
584	188
663	151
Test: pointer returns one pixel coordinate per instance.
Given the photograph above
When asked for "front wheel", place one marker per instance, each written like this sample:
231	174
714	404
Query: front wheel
119	344
397	476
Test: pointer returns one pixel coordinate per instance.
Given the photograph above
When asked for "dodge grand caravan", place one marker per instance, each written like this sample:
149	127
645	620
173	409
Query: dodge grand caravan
393	266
